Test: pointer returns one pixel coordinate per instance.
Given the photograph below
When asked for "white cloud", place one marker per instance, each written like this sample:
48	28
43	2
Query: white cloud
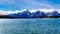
32	10
37	4
58	10
47	10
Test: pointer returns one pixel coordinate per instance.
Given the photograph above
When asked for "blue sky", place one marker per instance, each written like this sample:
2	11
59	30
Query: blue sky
29	4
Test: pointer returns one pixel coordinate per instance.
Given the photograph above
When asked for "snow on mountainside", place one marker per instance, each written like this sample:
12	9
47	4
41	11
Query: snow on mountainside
37	14
30	13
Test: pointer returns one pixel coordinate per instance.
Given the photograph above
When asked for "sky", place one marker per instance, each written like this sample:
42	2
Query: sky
29	4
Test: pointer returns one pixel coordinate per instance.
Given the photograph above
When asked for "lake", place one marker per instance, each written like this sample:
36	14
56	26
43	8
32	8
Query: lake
30	26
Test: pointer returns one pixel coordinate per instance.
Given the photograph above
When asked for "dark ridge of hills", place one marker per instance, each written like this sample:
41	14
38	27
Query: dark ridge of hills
4	16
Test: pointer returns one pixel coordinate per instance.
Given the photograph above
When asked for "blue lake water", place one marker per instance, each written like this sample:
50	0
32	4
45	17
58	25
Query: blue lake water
30	26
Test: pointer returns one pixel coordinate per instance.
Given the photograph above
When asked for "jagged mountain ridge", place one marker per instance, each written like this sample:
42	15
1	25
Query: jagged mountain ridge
37	14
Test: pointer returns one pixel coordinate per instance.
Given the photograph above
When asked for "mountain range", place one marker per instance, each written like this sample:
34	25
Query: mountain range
37	14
